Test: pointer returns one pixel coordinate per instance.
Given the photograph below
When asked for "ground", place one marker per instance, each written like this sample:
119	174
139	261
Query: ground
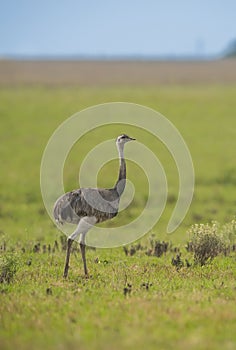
131	300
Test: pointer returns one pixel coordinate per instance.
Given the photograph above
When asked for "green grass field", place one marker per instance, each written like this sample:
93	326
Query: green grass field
129	301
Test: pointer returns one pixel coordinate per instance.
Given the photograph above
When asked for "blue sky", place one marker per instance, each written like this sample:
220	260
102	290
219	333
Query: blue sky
103	27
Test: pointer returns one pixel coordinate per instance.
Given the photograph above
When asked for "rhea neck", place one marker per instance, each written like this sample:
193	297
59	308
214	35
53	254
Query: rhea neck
120	184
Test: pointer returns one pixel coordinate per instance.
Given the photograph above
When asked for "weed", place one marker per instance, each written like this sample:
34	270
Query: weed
132	249
8	267
158	248
3	247
177	262
127	289
146	285
49	291
229	231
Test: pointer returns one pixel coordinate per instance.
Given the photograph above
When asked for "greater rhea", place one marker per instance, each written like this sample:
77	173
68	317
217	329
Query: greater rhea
86	207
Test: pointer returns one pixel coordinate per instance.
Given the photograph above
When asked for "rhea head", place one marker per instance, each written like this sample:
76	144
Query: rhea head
122	139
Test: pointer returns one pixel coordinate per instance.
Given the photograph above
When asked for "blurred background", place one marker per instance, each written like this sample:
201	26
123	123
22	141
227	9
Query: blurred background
179	58
110	32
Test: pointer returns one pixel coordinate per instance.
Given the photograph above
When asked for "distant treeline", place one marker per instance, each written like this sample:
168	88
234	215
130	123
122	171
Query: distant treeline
231	49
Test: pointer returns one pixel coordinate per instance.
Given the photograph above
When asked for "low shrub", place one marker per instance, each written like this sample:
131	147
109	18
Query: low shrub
206	242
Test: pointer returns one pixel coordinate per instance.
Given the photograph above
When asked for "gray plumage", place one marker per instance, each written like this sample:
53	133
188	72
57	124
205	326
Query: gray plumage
74	205
88	206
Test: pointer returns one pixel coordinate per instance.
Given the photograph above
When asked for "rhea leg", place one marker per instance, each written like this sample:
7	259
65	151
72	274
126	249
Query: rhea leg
70	241
83	250
83	226
69	245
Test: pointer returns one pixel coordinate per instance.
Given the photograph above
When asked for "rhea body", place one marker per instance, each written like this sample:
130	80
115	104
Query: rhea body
86	207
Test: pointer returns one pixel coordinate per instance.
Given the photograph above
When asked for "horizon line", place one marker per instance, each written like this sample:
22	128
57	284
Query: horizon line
113	57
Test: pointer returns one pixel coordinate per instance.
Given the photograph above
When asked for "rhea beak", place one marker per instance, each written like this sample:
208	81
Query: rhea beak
131	139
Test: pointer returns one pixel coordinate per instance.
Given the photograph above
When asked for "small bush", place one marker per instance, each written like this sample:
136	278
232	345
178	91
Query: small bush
206	242
8	268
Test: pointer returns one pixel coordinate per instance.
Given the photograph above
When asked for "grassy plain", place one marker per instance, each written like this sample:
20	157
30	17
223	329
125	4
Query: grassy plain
130	301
